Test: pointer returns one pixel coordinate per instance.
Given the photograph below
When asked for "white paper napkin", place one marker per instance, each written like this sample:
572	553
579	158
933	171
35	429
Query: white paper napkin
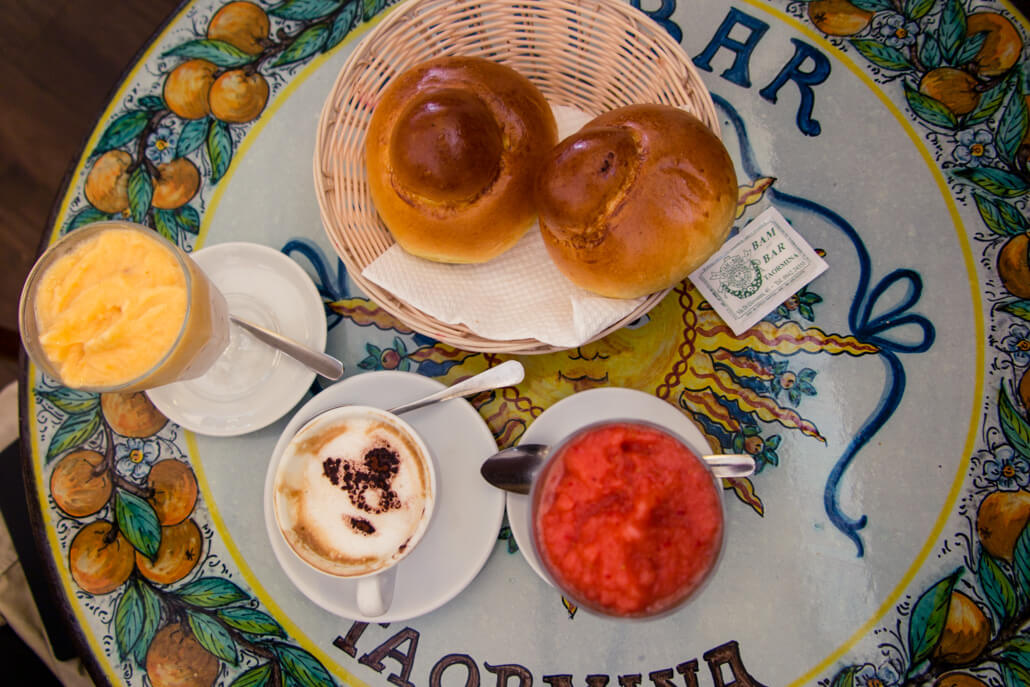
518	295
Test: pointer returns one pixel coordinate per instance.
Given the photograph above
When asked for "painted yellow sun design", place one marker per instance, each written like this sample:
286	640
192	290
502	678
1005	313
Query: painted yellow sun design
682	352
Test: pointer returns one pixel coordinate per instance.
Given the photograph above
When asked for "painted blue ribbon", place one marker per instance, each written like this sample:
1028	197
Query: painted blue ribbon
865	326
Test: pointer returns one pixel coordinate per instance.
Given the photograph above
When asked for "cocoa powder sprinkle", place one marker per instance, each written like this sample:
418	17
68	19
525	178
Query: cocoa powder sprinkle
372	476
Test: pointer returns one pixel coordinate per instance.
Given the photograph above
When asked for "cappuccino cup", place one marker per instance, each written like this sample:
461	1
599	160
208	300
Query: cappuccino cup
353	494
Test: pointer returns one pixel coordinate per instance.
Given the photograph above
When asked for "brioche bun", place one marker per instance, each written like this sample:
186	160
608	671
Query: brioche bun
636	200
453	151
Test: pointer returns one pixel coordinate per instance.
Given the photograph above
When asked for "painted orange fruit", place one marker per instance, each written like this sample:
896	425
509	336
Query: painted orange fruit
1024	390
176	659
186	89
754	445
959	680
100	563
1002	44
177	555
1026	138
131	414
238	97
953	87
838	17
966	631
1014	265
77	486
242	24
1000	520
175	490
107	184
177	181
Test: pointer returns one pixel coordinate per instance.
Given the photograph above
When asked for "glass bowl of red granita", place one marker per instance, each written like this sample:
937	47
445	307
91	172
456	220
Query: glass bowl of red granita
627	519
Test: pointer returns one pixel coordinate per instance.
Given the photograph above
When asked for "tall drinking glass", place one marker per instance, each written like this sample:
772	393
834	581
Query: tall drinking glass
113	306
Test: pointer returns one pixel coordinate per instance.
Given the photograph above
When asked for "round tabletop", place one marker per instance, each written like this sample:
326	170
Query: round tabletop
883	539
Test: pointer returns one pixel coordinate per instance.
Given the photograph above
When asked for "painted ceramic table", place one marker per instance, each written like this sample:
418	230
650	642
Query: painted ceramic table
883	540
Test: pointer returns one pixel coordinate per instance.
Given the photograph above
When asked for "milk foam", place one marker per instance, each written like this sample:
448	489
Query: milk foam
351	493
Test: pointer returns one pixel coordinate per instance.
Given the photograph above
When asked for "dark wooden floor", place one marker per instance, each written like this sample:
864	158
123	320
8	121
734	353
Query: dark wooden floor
59	60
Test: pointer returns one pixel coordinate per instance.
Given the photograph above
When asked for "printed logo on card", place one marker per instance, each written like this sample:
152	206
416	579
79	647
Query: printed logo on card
757	270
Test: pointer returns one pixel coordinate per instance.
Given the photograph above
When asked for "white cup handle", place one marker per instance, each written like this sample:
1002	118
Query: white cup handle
375	593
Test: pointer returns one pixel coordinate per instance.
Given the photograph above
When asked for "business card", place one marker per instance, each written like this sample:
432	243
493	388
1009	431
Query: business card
757	270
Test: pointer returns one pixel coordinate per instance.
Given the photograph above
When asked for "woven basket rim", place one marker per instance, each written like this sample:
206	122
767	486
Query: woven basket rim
351	225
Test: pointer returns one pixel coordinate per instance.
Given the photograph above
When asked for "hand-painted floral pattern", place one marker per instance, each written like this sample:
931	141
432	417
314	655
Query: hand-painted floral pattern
1007	470
134	458
1017	344
975	147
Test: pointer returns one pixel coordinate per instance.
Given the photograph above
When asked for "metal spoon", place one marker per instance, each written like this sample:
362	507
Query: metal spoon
505	374
322	363
515	468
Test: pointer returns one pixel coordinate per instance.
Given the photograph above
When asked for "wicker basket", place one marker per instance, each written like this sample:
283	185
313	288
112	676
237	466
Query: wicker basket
594	55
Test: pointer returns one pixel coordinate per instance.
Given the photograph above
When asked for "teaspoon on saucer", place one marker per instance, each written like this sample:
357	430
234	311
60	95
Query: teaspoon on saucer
515	468
322	363
506	374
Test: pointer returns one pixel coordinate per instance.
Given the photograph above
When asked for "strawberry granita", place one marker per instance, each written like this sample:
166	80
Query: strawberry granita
627	519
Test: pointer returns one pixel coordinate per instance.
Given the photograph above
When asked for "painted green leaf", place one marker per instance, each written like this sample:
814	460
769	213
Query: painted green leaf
1012	126
219	149
122	130
167	224
928	617
1000	217
87	215
1000	594
75	431
1013	426
930	110
251	620
138	522
302	666
372	8
996	181
1017	651
990	102
1014	674
930	53
213	637
873	5
304	10
307	43
128	620
1021	560
1020	309
189	219
71	401
881	55
917	9
152	102
258	676
846	677
141	190
151	622
1012	216
341	26
952	29
211	592
970	47
219	53
192	136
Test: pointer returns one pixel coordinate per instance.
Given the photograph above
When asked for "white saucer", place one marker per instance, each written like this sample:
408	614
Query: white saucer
584	408
468	513
270	289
